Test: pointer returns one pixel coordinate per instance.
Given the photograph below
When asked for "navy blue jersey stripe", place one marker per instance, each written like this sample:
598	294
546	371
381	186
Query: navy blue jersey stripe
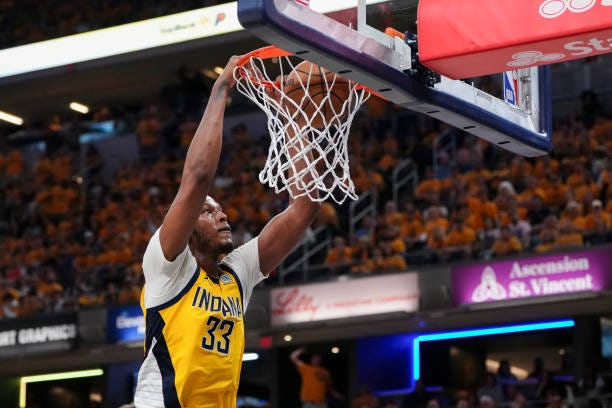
182	293
155	325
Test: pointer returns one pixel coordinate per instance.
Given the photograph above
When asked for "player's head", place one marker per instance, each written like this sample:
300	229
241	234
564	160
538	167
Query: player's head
212	233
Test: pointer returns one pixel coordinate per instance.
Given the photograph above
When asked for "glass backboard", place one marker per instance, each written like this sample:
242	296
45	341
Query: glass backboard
512	110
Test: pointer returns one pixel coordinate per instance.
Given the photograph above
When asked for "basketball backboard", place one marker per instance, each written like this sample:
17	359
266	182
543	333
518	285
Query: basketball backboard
347	36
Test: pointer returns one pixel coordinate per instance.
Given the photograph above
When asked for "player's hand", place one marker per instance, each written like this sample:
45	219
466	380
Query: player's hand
227	76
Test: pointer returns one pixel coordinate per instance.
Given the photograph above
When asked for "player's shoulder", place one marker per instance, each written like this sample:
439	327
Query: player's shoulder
154	244
245	252
154	259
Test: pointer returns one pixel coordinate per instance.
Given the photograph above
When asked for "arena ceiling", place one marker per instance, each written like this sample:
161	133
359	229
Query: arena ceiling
121	80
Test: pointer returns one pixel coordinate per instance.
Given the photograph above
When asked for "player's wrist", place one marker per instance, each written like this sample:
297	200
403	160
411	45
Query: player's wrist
221	89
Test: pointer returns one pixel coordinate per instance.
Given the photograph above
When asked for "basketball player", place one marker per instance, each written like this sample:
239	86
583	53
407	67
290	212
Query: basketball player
194	299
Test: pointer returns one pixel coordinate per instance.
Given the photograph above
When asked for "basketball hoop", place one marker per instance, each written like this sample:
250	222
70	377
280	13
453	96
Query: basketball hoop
306	127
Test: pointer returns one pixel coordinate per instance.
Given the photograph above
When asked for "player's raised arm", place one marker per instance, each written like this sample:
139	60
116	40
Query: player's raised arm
280	236
199	170
295	356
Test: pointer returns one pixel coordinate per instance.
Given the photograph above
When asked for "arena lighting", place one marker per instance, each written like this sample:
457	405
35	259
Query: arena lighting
493	365
7	117
137	36
486	331
79	107
24	381
209	73
250	357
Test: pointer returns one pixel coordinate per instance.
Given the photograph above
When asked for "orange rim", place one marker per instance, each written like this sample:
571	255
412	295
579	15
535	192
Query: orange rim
272	51
267	52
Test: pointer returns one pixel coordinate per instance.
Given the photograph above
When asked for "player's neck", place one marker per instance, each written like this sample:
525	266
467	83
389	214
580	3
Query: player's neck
206	260
209	264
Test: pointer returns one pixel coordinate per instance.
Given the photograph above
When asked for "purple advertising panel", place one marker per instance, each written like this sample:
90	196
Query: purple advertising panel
584	271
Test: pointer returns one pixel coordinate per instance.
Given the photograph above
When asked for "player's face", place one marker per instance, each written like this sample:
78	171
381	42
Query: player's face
212	228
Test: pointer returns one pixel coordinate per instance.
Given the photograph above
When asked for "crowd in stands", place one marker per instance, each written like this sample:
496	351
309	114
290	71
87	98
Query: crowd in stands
484	203
539	388
71	238
28	21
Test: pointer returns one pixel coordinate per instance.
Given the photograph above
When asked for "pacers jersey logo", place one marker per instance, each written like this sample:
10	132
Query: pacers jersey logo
220	323
225	278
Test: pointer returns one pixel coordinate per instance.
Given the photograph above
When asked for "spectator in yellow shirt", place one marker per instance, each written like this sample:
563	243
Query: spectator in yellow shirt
434	218
547	241
460	239
569	236
339	257
429	185
316	380
392	215
555	192
573	216
49	284
435	241
383	260
597	223
390	260
507	243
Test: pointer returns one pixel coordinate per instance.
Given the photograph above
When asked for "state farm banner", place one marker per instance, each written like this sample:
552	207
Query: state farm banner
585	271
334	300
470	38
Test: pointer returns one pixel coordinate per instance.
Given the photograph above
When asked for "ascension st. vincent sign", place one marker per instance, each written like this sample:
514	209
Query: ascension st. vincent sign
584	271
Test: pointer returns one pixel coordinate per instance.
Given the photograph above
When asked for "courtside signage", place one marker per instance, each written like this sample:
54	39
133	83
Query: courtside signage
125	324
471	38
358	297
26	336
586	271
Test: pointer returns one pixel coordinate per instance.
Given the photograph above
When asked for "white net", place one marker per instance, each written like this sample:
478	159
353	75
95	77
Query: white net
310	111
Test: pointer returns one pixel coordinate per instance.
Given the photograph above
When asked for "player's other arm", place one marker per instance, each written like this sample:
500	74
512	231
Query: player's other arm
199	169
280	236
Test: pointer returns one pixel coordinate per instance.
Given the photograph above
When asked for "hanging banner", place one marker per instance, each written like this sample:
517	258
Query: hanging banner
334	300
470	38
585	271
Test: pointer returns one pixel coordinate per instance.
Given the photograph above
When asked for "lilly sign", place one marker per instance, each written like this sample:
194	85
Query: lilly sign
586	271
125	324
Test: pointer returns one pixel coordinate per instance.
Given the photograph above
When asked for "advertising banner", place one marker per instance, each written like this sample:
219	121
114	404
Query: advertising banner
136	36
585	271
131	37
469	38
39	335
124	324
334	300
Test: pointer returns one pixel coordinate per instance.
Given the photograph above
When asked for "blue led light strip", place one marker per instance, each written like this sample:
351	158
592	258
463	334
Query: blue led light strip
487	331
